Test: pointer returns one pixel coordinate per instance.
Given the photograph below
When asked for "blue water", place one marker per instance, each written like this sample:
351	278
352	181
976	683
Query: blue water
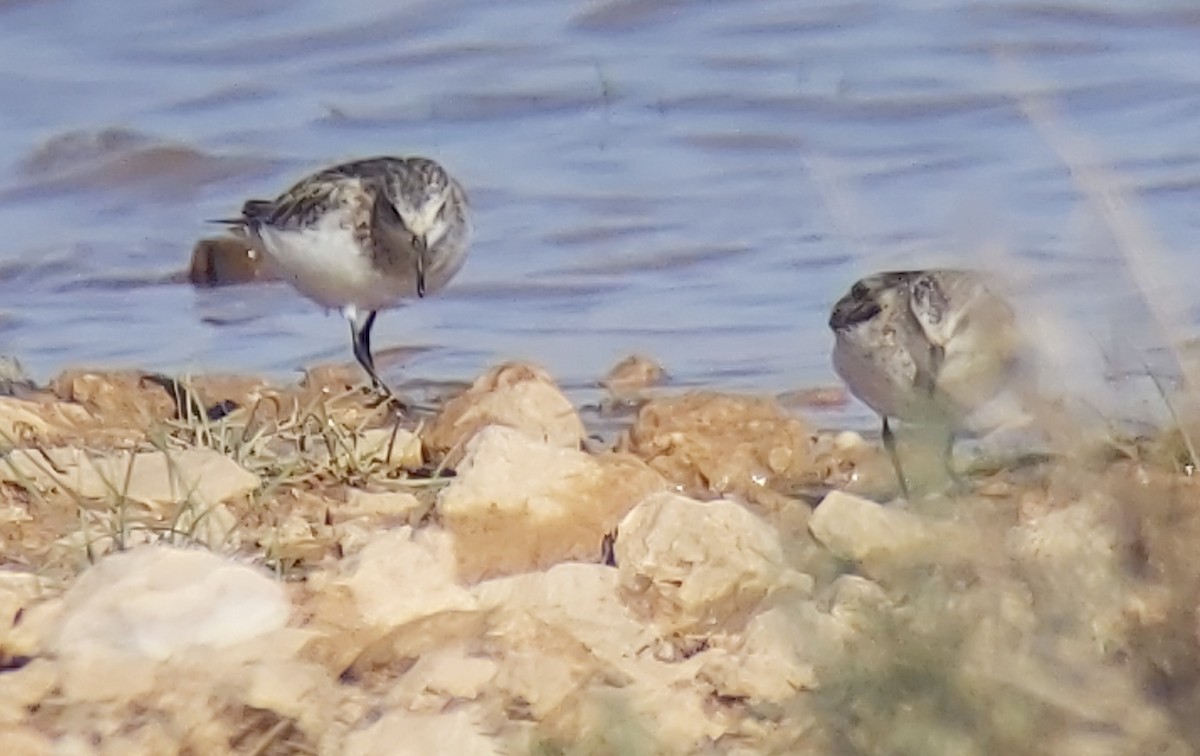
694	181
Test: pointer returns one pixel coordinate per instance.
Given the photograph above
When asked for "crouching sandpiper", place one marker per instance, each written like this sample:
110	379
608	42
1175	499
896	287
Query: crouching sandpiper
364	236
928	347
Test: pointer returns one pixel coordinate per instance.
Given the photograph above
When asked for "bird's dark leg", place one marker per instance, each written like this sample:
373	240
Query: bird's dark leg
360	332
889	443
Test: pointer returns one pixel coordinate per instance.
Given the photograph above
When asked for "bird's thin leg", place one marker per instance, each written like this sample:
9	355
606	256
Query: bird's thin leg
889	443
360	332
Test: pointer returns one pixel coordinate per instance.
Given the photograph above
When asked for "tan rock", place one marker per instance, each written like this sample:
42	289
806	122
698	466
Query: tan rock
402	599
632	374
21	740
288	687
716	444
393	507
18	590
694	568
21	419
200	476
42	421
121	398
515	395
520	504
403	733
25	688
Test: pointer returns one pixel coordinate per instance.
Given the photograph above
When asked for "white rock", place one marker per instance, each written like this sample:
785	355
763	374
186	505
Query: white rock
156	601
696	567
404	576
767	663
864	531
580	598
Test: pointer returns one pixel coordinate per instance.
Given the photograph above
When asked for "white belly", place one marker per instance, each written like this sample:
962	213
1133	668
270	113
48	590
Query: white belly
326	265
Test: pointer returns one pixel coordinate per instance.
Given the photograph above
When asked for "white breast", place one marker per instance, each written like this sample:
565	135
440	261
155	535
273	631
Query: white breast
326	264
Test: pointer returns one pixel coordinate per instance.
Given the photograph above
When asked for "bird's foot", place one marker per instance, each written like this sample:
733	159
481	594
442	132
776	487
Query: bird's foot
400	405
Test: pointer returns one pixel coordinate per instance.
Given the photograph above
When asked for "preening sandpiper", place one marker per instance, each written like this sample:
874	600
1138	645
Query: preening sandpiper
928	347
364	236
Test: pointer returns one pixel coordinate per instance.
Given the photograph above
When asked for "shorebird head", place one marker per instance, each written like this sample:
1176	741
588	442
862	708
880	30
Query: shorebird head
430	206
427	201
866	300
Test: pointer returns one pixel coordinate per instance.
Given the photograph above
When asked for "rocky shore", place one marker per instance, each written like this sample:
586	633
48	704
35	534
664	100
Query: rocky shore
222	565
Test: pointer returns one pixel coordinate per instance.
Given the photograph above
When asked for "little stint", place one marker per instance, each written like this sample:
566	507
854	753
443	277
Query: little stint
364	236
927	347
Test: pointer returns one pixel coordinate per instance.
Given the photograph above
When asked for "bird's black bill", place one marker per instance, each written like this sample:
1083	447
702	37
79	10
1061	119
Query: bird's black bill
421	275
851	310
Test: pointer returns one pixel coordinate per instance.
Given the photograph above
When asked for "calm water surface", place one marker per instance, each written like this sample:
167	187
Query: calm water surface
695	181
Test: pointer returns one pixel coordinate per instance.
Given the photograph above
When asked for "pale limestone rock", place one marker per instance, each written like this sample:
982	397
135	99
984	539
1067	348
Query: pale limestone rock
442	676
403	733
20	740
858	603
395	507
404	575
766	663
717	444
155	602
291	688
581	598
17	591
107	676
518	504
199	476
573	658
863	531
514	395
404	587
19	418
24	688
1076	569
694	567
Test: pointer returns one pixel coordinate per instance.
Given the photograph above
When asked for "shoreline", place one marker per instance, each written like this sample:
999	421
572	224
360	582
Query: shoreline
288	569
